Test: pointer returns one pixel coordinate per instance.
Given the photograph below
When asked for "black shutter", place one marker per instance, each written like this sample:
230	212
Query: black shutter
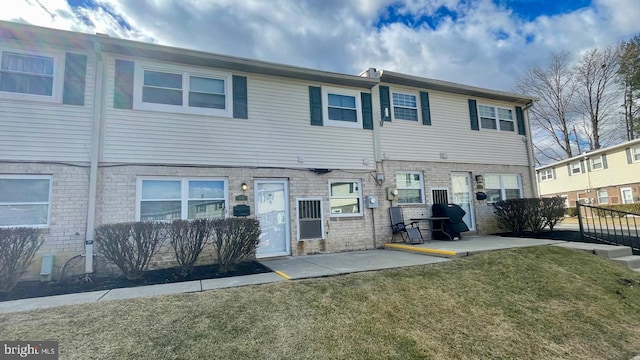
315	103
240	97
385	103
554	173
426	109
75	72
604	161
582	166
588	165
473	114
569	168
520	117
629	159
367	111
123	87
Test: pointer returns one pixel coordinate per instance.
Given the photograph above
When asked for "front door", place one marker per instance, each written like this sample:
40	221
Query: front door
627	195
272	210
461	191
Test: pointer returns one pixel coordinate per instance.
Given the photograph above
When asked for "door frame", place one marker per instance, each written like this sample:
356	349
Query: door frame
472	210
287	209
622	190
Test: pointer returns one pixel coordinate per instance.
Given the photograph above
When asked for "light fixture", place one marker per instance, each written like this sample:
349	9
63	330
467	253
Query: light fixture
244	186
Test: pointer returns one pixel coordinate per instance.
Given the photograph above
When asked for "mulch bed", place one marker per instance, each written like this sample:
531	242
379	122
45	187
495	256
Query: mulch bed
33	289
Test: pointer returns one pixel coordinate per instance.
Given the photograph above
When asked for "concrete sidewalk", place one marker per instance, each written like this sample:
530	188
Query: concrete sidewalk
311	266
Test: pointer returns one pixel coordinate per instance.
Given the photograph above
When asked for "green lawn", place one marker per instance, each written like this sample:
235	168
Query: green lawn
533	303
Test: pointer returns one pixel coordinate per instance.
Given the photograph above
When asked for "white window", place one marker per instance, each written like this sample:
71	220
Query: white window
345	198
502	187
341	107
168	199
30	75
496	118
603	197
546	174
565	198
410	188
636	153
627	195
161	87
405	106
596	163
576	168
25	200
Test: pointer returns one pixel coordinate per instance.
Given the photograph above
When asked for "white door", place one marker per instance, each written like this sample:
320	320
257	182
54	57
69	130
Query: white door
627	195
462	192
272	210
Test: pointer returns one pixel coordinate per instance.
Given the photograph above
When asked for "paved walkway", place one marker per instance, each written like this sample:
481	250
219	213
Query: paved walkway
301	267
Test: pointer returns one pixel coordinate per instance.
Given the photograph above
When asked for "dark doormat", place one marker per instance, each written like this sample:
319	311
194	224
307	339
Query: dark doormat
33	289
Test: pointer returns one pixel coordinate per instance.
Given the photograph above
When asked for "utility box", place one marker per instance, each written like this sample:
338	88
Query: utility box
371	202
241	210
46	268
392	194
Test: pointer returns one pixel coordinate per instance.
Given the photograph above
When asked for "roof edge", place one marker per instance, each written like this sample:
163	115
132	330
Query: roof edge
589	153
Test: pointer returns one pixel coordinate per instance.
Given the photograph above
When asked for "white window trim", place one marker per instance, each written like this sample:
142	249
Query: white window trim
497	118
579	167
598	196
186	72
325	107
29	177
622	190
634	152
58	76
298	216
184	193
503	192
361	213
422	200
546	175
402	92
593	163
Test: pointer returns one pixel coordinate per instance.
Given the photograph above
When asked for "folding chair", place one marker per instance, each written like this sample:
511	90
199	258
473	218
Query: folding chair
410	234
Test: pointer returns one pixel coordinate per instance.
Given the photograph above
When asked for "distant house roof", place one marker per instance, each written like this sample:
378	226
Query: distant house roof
591	153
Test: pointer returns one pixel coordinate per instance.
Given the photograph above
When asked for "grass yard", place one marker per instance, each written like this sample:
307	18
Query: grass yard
531	303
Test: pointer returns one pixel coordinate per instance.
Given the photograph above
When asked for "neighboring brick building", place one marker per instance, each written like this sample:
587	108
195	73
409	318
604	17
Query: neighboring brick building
100	130
605	176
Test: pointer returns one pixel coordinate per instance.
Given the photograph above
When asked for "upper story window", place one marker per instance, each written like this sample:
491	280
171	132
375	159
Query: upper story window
496	118
178	89
636	153
410	188
168	199
405	106
546	174
596	163
29	74
342	107
345	198
25	200
576	168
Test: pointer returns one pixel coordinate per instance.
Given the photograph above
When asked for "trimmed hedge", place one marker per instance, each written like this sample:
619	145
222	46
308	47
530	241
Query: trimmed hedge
518	215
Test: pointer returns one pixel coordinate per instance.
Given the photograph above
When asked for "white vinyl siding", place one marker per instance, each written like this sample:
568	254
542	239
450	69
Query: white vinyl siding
160	199
25	200
277	133
36	129
449	139
180	89
345	198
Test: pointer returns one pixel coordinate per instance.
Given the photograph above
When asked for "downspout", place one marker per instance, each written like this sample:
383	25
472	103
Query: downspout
529	145
98	97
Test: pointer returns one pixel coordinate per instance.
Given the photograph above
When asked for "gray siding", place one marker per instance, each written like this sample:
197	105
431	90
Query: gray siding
277	132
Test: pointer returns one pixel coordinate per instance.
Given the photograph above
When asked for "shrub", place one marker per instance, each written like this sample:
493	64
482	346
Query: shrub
188	238
235	241
571	211
552	211
534	214
511	215
630	208
130	246
17	248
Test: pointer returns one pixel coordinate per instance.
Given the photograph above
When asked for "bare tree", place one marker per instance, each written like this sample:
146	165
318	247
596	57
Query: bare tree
597	95
555	86
629	73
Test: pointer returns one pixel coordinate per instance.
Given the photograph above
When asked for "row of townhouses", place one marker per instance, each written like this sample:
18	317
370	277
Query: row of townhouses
97	130
606	176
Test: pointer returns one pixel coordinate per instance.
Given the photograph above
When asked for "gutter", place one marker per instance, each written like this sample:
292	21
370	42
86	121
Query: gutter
95	156
529	145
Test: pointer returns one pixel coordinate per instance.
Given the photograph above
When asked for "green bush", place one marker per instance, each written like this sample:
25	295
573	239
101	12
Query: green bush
512	215
235	241
571	211
188	238
553	211
17	248
630	208
130	246
518	215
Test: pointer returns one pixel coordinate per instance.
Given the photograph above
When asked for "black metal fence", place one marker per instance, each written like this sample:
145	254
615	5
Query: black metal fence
610	226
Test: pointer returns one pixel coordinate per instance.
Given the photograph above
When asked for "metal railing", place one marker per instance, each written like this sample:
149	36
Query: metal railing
609	226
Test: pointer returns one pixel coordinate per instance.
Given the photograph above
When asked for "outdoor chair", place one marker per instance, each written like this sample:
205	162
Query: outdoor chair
410	233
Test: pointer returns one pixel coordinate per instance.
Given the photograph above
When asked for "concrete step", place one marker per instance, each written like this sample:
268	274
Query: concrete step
614	252
632	261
